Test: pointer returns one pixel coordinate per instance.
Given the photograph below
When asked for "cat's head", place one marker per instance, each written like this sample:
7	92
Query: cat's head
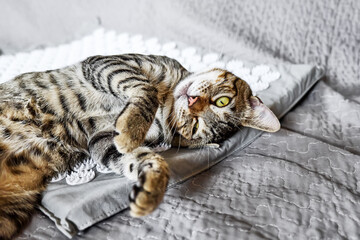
211	105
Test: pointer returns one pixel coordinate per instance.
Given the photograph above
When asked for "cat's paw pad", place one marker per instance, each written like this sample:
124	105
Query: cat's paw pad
149	191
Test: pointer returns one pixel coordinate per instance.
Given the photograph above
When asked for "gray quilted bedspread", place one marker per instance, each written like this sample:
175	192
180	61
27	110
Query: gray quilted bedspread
302	182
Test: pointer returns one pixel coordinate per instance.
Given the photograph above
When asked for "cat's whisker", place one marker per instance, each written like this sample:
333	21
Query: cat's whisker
179	144
172	127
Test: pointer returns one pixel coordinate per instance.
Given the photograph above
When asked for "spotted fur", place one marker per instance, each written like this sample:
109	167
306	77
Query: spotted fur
110	108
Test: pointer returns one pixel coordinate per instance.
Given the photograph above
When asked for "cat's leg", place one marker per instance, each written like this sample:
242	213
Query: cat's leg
135	119
142	165
21	183
24	174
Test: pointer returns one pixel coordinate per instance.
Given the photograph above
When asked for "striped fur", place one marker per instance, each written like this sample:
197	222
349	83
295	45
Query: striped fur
108	108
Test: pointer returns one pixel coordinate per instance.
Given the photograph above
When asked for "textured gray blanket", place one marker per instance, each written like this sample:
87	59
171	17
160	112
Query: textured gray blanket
301	182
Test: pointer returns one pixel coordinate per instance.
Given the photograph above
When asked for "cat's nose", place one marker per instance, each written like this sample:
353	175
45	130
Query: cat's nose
192	100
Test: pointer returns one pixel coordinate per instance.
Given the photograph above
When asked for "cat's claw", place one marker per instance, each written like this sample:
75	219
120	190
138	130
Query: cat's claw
208	145
212	145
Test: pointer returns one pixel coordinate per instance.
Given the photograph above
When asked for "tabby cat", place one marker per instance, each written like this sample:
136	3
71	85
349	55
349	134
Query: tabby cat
112	108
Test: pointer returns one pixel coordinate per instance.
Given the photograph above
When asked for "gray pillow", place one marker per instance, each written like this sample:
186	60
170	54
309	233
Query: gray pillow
75	208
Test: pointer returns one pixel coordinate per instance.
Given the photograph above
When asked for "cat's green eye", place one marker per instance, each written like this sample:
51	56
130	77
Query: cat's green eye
222	102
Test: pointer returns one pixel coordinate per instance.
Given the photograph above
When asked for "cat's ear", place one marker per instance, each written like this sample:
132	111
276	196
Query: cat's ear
261	117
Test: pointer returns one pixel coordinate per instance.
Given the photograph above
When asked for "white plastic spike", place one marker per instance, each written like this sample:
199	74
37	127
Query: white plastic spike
152	42
242	72
58	178
153	47
234	64
197	67
81	177
250	79
270	77
210	58
173	53
85	165
102	168
260	70
136	39
188	52
259	86
90	163
169	46
124	37
79	167
194	59
162	147
140	49
217	64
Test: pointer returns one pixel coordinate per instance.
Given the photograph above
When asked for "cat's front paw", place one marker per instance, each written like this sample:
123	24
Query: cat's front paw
149	191
132	128
125	143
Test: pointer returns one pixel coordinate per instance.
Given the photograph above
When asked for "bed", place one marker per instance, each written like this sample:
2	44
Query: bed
301	182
